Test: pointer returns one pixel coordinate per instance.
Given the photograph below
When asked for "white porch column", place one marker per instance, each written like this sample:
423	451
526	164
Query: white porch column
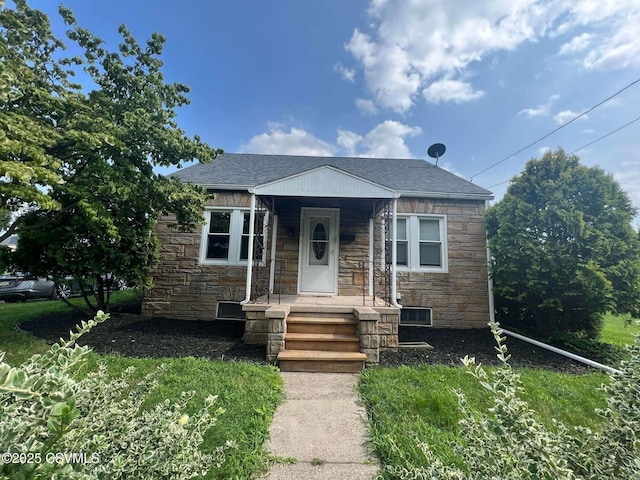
394	253
252	217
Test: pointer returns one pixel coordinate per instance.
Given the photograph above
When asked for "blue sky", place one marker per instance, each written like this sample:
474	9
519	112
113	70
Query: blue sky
388	78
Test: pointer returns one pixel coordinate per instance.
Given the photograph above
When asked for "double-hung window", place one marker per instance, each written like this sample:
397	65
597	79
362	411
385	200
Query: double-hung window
421	243
225	236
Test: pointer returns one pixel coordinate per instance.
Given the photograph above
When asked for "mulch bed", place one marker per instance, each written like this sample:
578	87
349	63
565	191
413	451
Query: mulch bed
129	334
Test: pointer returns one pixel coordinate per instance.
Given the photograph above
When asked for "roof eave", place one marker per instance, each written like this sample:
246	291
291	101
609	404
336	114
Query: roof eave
452	195
400	194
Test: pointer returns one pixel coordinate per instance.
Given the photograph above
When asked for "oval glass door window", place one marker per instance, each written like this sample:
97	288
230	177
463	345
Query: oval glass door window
319	244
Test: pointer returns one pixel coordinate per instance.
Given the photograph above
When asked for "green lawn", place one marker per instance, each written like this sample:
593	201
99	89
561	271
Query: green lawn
619	329
406	404
248	392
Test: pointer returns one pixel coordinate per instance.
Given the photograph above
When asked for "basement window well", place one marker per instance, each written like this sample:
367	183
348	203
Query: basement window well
229	311
415	316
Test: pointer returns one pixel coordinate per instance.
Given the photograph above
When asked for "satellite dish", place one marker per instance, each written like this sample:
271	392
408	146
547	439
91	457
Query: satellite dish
436	151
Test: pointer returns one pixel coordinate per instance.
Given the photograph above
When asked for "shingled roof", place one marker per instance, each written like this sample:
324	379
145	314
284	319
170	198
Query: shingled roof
241	171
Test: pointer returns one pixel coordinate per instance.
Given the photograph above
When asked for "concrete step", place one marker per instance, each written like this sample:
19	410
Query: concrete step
323	342
339	324
321	361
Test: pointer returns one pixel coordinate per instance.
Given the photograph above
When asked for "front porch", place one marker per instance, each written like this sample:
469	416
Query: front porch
328	334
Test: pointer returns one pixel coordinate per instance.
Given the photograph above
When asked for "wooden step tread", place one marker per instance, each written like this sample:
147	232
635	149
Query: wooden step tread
327	320
321	337
320	355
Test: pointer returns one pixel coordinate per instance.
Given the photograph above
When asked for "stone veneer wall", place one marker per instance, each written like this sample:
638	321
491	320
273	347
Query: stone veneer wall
459	298
183	287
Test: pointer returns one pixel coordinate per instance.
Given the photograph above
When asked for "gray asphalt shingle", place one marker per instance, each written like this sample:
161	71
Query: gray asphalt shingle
402	175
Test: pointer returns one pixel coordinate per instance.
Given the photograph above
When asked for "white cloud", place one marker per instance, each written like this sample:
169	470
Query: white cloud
348	74
620	50
614	43
543	150
366	106
588	131
566	115
349	141
385	140
294	142
450	91
387	71
540	110
577	44
410	45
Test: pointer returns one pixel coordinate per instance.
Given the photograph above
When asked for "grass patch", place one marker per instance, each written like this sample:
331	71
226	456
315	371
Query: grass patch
619	329
248	392
408	403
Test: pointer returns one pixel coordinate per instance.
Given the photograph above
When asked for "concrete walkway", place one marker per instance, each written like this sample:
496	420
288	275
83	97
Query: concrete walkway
321	425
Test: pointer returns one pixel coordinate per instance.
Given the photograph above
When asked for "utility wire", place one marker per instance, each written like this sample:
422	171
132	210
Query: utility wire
605	136
555	130
585	146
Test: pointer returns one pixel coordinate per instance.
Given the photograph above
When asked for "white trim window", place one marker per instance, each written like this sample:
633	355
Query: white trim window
225	237
422	243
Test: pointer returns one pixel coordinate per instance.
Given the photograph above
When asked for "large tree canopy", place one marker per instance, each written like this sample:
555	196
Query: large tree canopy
564	251
77	162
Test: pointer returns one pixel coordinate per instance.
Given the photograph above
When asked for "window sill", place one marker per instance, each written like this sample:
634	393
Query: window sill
421	270
227	263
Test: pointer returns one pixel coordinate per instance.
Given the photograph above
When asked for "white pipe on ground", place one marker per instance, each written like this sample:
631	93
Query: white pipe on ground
564	353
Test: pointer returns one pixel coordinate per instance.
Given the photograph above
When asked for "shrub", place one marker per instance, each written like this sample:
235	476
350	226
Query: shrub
59	421
508	443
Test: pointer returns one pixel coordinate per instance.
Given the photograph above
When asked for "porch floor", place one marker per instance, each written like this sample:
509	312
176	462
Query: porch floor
341	300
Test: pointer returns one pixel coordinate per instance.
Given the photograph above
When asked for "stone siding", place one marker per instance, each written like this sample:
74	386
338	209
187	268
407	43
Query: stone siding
459	298
186	289
183	288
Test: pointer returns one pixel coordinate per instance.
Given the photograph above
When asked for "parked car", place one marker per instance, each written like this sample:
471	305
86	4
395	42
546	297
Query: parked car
15	287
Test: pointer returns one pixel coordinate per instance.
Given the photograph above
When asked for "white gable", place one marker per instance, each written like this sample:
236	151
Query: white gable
324	181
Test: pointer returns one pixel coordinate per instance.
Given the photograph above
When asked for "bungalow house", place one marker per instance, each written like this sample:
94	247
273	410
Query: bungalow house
324	257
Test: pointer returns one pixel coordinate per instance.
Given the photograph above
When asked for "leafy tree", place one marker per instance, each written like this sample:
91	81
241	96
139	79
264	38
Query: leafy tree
102	204
32	89
564	251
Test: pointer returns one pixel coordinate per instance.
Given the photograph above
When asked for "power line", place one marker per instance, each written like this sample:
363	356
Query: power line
498	184
555	130
606	135
585	146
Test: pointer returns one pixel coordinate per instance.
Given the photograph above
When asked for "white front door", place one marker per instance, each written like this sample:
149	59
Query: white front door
318	265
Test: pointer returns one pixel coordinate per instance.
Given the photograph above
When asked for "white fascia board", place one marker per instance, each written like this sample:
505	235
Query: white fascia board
227	186
456	196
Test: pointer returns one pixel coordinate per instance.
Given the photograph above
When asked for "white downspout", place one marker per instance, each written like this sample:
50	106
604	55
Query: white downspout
371	259
492	312
394	253
272	268
252	217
